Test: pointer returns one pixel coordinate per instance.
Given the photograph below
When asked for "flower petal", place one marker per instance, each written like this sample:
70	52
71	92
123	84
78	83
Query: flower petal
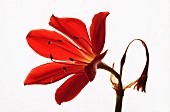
97	31
91	68
47	43
51	72
71	88
74	28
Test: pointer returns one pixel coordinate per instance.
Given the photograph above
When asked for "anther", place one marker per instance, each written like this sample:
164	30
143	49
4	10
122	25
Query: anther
51	56
71	59
64	68
76	37
49	42
59	40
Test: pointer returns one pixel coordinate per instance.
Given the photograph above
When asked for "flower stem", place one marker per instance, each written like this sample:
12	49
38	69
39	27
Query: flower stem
119	100
120	91
108	68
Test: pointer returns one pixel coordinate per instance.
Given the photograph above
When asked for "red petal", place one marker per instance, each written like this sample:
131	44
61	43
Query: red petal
46	42
51	72
91	68
71	88
74	28
97	31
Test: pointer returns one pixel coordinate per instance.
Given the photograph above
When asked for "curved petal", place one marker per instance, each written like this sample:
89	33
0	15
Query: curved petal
91	68
47	43
71	88
141	82
97	31
74	28
51	72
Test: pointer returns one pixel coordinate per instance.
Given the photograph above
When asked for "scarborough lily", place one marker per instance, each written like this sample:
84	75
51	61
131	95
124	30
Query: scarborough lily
72	51
75	53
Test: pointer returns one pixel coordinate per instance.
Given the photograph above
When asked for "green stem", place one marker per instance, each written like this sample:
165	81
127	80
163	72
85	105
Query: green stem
120	91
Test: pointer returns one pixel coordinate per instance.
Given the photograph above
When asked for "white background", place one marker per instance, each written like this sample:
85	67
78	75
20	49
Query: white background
145	19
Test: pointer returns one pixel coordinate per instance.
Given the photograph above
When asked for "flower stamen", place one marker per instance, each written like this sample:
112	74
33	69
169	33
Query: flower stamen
77	38
49	42
71	59
59	40
64	68
77	47
68	50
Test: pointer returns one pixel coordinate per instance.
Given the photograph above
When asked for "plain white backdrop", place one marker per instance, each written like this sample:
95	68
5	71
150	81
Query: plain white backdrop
145	19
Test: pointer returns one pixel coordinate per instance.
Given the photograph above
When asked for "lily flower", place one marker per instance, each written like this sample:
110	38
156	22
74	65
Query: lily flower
72	51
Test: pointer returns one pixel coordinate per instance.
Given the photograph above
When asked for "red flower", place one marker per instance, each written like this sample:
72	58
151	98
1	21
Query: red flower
74	53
